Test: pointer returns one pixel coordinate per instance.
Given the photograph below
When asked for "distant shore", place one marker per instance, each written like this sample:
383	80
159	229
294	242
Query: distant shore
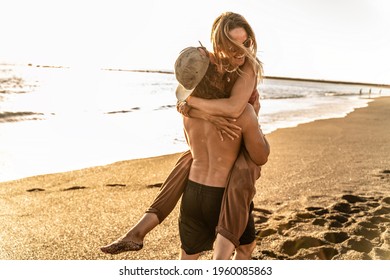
324	194
387	86
269	77
327	81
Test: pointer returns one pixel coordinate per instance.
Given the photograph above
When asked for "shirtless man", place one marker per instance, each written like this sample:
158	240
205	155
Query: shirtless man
233	71
209	174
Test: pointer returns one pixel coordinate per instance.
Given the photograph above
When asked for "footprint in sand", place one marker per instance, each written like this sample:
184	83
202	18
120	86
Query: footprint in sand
35	190
336	236
74	188
386	200
157	185
261	217
367	230
353	198
359	244
291	247
355	227
382	174
116	185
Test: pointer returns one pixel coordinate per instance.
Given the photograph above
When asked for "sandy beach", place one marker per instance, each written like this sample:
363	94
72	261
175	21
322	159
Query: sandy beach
324	194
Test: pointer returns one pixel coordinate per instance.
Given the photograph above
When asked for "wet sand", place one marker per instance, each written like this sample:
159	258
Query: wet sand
324	194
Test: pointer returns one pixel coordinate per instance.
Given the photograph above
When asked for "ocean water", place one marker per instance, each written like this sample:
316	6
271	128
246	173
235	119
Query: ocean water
61	119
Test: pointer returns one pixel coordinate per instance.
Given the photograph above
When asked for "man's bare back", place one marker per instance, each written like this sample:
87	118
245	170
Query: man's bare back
213	158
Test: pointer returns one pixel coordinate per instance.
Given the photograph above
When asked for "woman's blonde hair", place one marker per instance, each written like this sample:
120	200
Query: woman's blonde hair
222	42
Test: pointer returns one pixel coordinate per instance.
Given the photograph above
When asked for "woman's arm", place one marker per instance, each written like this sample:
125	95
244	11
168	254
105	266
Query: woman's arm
234	105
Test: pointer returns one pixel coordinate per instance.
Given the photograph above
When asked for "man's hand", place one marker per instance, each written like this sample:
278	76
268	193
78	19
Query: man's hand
255	94
183	108
254	100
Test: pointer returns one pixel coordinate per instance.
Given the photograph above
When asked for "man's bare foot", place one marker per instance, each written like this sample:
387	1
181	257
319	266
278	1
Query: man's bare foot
121	246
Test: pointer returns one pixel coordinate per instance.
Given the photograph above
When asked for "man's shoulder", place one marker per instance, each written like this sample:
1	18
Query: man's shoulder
248	116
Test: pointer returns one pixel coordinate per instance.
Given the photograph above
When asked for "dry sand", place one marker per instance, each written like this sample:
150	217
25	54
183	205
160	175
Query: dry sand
324	194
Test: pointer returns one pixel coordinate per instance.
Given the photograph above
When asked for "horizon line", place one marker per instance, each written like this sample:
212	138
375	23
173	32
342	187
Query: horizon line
265	77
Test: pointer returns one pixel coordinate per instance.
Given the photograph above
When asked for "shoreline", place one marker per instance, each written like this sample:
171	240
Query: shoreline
291	125
323	195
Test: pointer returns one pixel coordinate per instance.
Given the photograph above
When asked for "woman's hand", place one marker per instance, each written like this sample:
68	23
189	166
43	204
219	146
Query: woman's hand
225	126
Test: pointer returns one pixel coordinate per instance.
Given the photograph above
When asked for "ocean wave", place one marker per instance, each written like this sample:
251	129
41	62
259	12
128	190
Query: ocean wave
7	91
14	85
12	81
164	107
5	70
335	93
123	111
281	96
19	116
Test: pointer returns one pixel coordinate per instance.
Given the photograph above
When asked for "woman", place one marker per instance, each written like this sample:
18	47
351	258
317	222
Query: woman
235	70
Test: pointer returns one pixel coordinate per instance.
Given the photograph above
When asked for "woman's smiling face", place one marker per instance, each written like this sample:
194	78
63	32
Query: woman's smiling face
240	36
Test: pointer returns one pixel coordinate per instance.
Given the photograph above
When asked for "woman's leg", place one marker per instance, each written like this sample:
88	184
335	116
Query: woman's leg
162	206
236	203
172	189
223	248
244	252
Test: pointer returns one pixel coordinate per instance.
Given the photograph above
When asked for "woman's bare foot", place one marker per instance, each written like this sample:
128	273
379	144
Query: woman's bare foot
122	245
134	238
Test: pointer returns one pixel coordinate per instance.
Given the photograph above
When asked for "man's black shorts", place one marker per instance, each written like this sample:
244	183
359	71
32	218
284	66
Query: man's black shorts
199	214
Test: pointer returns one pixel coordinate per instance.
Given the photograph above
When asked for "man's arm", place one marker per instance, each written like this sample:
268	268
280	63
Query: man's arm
254	139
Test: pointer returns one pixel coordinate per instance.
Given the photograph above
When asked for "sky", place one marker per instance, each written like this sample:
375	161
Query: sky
344	40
